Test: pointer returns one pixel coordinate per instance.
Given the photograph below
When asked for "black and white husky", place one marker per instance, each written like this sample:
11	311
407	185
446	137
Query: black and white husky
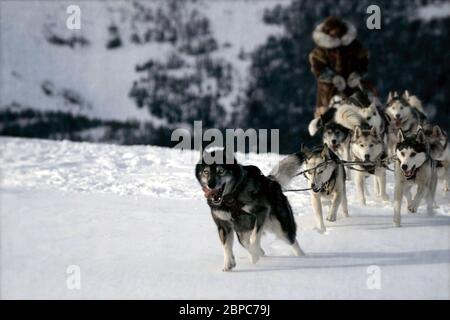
414	167
244	201
337	125
326	178
403	112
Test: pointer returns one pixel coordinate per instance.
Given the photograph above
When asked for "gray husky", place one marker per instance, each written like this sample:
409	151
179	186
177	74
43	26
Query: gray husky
337	138
437	140
368	146
326	178
414	166
244	201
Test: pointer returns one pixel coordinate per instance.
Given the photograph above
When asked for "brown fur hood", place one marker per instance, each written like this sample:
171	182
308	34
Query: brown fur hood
323	40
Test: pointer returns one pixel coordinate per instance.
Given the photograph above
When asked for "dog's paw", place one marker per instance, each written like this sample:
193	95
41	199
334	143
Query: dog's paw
229	264
446	189
385	197
331	218
321	230
254	258
397	224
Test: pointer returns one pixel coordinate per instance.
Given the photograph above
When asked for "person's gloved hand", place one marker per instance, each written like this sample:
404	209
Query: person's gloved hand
353	80
339	83
327	76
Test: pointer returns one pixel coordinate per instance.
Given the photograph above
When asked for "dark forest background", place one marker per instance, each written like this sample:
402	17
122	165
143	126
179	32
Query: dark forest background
407	53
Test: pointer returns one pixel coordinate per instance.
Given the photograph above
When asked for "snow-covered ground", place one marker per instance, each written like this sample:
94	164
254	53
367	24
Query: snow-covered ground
133	220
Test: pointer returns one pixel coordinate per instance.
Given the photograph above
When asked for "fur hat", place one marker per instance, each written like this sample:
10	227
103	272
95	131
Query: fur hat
324	40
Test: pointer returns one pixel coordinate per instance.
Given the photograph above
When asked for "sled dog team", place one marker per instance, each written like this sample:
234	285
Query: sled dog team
361	139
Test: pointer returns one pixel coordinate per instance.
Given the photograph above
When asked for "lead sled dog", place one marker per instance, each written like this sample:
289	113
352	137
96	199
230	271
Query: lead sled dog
244	201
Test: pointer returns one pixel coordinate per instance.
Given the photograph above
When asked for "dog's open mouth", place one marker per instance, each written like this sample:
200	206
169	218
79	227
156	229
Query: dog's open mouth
398	123
410	173
214	195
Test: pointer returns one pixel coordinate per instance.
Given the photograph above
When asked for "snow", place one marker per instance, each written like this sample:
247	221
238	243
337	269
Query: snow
135	222
28	60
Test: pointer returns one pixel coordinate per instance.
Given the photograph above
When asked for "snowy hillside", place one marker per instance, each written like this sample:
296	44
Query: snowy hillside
134	220
54	64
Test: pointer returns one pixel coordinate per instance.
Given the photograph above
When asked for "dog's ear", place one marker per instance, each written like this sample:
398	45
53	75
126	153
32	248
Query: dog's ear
437	132
389	99
374	132
420	136
357	133
407	95
400	135
395	95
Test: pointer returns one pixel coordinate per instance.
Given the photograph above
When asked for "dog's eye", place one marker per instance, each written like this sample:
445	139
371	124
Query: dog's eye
401	108
371	146
361	145
206	171
374	113
220	171
413	154
402	153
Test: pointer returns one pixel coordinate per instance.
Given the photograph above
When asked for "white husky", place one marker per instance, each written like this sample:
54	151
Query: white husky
403	112
367	146
326	178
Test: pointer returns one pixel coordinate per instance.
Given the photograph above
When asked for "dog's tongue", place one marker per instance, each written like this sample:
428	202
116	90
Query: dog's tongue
398	123
210	193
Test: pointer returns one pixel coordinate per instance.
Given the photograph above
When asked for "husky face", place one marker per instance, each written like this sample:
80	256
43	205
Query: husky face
334	135
320	168
398	111
372	116
411	152
367	145
437	141
218	178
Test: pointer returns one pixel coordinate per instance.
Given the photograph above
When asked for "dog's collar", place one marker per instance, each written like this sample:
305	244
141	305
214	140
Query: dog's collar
329	185
370	168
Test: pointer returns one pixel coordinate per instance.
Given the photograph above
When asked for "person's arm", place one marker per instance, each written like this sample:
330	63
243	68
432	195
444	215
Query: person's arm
318	62
319	67
361	65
